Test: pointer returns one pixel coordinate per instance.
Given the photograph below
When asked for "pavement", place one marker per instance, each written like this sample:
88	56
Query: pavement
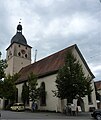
28	115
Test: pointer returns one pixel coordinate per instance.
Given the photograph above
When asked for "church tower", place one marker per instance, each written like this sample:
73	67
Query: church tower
18	53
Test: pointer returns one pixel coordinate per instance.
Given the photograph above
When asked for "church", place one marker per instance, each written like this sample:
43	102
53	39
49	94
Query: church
19	61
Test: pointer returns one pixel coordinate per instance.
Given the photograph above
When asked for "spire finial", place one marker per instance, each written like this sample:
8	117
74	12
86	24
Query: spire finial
19	27
20	21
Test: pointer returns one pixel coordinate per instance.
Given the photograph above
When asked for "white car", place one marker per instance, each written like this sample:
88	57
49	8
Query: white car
18	107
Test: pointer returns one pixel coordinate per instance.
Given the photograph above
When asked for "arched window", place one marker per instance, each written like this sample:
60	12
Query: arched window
19	54
42	94
25	93
25	55
89	99
16	95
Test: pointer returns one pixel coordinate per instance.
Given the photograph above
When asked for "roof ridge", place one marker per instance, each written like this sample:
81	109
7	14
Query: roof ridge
55	53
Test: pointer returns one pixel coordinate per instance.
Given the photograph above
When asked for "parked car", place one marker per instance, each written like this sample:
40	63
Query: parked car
18	107
96	114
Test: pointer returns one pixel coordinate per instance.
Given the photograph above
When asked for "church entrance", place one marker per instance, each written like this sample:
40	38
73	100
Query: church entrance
80	103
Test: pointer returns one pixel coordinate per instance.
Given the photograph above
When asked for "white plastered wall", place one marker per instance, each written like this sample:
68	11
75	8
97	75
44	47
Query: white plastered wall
51	102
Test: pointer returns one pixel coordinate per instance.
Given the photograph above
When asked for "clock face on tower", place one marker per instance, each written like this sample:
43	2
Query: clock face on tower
23	51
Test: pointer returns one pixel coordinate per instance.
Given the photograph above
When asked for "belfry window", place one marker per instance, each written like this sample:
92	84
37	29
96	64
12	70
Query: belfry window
25	55
19	54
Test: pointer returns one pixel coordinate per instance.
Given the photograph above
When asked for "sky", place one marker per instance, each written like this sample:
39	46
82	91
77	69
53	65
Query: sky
52	25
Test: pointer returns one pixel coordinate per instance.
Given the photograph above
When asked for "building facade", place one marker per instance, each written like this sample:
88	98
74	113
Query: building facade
47	70
19	61
98	94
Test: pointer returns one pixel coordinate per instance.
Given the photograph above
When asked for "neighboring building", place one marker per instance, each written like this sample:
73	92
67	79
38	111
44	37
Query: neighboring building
19	58
98	89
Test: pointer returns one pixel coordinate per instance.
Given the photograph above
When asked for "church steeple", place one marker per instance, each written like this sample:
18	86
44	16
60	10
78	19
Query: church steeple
18	52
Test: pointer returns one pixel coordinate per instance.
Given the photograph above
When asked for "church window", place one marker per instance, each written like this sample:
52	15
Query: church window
25	93
19	45
26	55
90	99
26	48
42	94
19	54
16	95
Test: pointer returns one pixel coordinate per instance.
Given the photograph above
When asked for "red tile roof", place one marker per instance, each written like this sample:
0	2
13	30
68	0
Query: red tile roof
48	65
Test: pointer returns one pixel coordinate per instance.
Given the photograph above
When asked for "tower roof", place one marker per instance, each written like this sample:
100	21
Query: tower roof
19	38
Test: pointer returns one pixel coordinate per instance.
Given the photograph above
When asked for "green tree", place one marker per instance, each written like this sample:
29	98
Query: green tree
9	89
1	89
33	89
3	65
71	81
25	93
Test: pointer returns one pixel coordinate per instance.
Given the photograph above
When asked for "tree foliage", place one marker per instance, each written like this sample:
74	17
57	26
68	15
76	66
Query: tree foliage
71	81
1	89
8	90
3	65
33	89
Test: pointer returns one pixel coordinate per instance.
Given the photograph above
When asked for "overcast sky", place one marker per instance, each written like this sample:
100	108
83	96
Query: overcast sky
52	25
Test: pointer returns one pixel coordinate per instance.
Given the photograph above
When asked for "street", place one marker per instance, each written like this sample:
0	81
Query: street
28	115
